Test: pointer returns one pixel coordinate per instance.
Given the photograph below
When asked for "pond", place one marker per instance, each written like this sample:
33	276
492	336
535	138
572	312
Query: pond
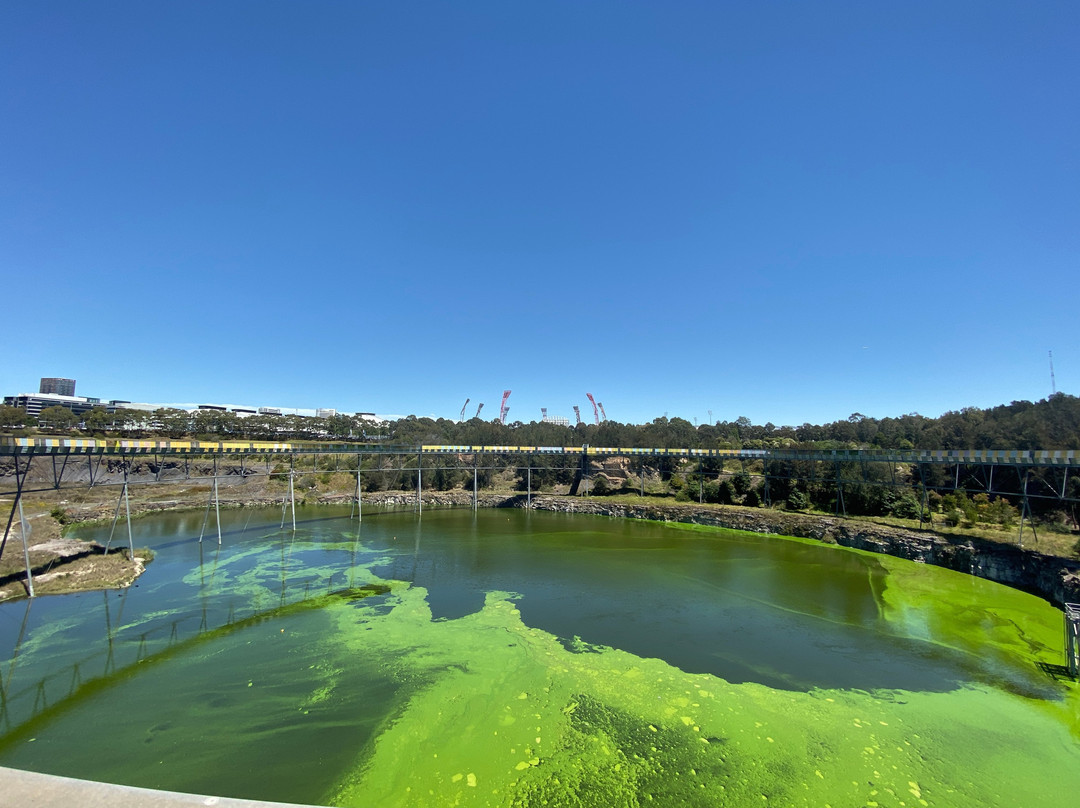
523	658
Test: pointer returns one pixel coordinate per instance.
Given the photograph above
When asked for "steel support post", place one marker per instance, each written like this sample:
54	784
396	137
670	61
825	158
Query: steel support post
217	508
116	518
292	499
20	480
25	529
359	511
642	470
206	516
528	488
475	500
1023	510
59	478
419	484
127	513
1072	638
841	508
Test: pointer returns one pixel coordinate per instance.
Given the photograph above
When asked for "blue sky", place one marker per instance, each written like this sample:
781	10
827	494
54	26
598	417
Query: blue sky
786	211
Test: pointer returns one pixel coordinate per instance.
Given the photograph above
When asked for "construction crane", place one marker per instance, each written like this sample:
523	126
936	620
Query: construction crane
603	414
595	413
503	409
478	410
577	415
463	406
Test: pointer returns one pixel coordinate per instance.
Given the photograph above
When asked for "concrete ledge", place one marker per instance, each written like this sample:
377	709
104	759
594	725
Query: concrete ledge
33	790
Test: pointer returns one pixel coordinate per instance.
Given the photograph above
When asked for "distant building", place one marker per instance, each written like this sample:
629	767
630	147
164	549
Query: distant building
555	419
34	404
325	413
57	387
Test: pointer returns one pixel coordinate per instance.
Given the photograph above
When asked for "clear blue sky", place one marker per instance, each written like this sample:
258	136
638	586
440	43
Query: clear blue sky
790	211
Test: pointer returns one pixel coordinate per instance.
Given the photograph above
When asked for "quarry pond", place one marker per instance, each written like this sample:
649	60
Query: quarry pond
515	658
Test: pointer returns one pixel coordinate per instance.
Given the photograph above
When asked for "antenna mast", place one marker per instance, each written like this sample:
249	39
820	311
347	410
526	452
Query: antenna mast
1053	384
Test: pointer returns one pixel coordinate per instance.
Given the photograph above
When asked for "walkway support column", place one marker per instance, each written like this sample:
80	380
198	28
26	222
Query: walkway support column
1072	638
359	512
25	528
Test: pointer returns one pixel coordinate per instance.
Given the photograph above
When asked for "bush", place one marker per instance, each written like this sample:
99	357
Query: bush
906	506
725	493
752	499
797	500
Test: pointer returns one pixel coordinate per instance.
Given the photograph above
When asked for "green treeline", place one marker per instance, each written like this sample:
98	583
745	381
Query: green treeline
1052	423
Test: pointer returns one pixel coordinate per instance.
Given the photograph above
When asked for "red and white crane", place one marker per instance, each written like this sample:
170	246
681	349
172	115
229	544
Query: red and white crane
503	409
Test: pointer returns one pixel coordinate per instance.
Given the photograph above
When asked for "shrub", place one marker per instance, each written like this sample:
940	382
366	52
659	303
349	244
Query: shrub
906	506
797	500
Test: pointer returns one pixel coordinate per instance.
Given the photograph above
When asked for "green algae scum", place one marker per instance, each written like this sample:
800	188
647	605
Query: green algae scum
530	659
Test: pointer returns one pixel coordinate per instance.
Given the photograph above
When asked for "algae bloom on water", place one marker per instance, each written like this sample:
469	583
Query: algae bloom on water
546	660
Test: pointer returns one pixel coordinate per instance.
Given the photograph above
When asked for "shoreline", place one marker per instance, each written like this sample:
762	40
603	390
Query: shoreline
73	565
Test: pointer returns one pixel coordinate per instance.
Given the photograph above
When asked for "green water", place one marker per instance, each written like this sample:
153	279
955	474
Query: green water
510	658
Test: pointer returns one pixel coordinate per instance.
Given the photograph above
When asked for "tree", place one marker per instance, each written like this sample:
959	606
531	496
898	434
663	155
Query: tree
59	418
13	417
173	422
97	420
